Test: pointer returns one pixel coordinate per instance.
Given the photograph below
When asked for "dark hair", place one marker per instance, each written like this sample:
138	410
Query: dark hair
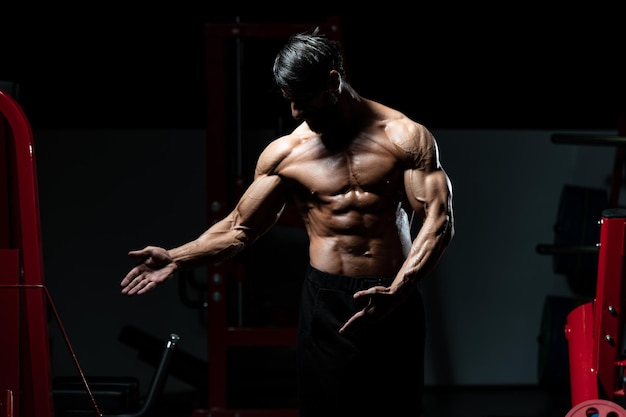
304	62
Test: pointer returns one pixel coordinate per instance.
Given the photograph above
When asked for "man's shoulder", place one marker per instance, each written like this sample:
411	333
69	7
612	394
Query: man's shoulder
279	150
286	143
403	130
395	118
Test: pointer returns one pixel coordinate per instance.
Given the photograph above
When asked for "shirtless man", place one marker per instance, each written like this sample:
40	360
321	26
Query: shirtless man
354	168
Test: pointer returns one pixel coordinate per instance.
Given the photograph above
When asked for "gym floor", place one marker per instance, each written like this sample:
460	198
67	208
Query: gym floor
474	401
496	401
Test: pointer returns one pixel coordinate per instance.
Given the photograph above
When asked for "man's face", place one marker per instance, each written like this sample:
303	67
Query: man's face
319	109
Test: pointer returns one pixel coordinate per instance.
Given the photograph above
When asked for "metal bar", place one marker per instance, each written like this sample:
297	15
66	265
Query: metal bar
35	356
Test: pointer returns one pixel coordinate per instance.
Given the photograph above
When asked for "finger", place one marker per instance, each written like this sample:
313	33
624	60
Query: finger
131	286
134	273
137	253
370	291
147	287
128	290
134	289
361	294
351	320
127	280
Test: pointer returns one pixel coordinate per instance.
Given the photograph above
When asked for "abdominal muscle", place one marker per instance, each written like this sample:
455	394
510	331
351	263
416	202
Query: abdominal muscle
355	245
348	201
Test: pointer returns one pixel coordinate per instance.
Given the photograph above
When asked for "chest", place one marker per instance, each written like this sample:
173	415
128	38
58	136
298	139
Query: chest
349	172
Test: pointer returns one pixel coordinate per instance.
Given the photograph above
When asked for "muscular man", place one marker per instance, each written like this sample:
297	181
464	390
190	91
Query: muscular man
354	168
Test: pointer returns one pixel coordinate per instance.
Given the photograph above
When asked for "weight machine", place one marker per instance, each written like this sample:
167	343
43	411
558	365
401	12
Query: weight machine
26	385
595	330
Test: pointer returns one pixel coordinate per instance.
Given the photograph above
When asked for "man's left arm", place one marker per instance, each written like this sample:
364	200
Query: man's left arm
429	192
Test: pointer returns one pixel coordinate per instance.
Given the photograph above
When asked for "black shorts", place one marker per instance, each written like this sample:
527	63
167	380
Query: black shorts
376	370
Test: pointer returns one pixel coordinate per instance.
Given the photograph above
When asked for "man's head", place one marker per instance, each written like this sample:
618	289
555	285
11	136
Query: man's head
302	67
310	74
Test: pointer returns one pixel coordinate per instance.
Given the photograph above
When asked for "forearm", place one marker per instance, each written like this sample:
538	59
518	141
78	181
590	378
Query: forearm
257	210
430	195
220	242
426	250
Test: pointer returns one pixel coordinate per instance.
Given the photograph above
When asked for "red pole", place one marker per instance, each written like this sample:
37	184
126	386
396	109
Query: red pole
579	335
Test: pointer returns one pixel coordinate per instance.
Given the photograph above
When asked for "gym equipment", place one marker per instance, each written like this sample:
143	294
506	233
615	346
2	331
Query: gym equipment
121	393
26	385
25	382
577	231
594	330
596	408
577	225
183	365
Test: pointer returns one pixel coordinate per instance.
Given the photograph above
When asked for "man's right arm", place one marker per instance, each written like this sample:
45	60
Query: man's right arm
257	210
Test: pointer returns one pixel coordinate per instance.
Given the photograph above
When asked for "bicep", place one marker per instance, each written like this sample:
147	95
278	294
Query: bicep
428	188
261	204
428	192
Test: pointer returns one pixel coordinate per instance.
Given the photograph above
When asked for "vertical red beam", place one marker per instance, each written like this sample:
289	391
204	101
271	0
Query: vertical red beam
7	406
216	202
5	216
36	389
9	277
608	312
594	330
9	325
580	338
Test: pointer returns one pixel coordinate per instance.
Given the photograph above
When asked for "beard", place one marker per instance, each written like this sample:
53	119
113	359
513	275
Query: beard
327	118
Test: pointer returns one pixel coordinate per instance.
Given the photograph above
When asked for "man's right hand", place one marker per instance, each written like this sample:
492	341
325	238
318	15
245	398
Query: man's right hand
156	267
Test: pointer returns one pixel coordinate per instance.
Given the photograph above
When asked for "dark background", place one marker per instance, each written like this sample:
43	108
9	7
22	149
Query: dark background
446	66
105	192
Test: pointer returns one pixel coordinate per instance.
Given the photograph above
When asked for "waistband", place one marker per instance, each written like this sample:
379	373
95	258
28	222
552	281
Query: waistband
344	282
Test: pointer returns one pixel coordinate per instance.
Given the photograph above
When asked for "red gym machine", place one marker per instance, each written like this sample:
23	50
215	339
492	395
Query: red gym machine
595	330
25	379
26	388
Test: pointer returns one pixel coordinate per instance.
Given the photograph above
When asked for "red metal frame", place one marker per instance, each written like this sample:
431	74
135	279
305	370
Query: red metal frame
221	335
594	330
24	351
608	313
